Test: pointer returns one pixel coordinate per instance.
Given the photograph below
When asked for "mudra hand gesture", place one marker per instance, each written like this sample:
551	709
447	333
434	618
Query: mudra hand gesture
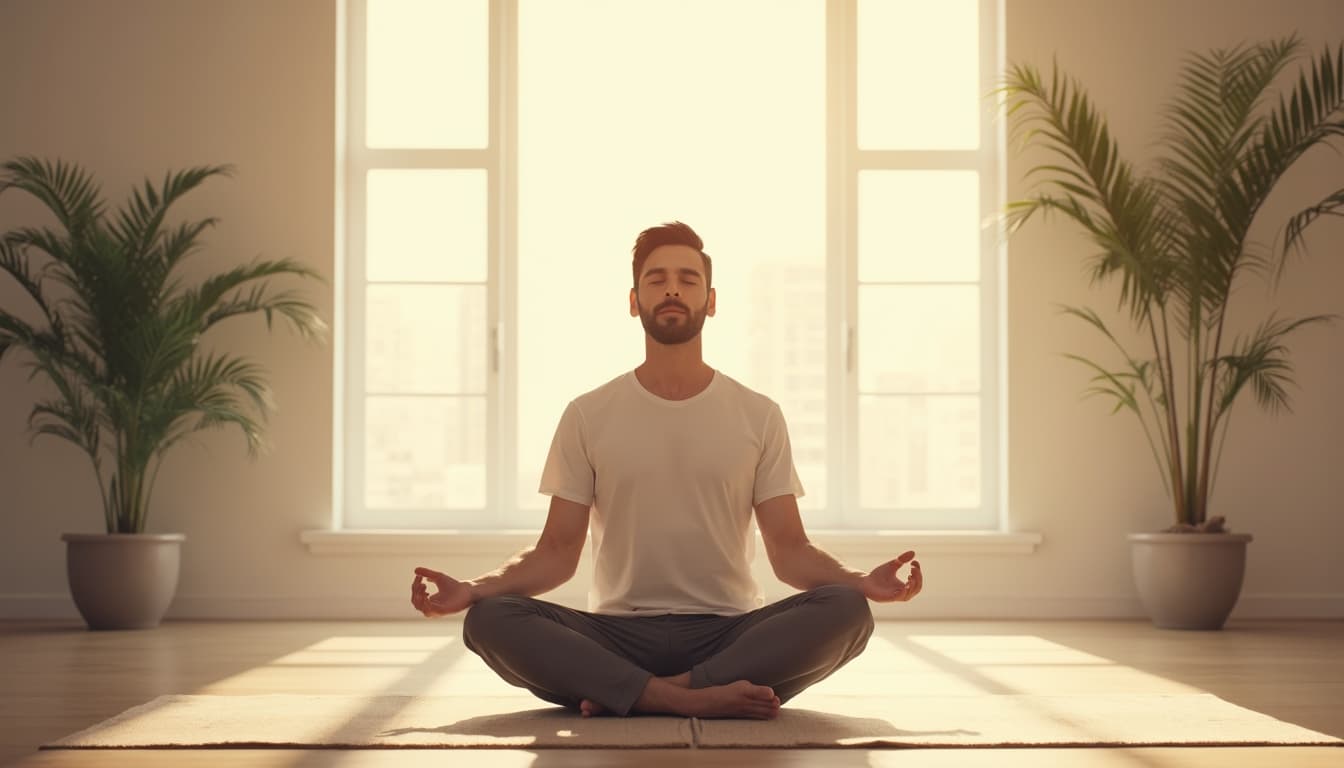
882	585
452	595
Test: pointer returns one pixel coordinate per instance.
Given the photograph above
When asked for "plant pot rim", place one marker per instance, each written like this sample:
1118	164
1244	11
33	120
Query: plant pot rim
1164	537
126	537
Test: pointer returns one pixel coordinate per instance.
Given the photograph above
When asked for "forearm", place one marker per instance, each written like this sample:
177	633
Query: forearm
531	572
809	566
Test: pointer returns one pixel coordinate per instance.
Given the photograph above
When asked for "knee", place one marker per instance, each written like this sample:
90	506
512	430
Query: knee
848	606
487	615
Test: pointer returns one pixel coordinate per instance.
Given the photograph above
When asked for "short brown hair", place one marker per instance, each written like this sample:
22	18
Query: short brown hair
669	233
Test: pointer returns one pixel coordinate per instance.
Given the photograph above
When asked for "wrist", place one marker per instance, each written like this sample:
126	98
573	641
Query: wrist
861	582
474	589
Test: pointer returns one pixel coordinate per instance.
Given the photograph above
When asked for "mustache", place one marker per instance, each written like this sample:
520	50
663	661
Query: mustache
672	305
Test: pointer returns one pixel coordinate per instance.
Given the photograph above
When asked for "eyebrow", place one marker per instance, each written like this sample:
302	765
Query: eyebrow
682	270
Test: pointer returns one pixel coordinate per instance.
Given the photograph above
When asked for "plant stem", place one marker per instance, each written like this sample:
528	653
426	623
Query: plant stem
1173	430
1209	423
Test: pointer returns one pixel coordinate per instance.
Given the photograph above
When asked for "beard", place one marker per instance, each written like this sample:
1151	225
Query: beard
672	328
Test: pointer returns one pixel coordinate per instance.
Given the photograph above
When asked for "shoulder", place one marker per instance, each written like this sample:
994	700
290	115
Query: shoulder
602	396
751	401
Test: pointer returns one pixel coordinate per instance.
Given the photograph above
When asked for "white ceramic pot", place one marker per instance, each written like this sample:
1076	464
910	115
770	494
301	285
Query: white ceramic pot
122	580
1189	580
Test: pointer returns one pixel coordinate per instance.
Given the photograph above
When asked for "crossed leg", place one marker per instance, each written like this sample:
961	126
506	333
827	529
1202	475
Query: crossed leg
751	665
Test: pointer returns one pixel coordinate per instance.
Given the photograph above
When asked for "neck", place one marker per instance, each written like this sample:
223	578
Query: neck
674	369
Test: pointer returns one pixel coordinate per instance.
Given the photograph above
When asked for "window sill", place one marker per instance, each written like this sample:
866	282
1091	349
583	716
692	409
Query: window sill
496	544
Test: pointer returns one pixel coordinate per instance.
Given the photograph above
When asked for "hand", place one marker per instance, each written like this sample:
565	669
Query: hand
452	595
882	585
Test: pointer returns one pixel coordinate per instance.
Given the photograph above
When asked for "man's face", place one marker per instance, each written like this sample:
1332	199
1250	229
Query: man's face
671	300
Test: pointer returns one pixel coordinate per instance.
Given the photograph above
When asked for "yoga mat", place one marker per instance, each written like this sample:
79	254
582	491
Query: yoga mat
1010	721
287	720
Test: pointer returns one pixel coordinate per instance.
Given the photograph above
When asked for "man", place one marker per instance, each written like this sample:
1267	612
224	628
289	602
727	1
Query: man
670	458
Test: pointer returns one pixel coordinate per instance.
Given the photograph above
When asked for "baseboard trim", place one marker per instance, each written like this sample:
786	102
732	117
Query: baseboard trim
191	607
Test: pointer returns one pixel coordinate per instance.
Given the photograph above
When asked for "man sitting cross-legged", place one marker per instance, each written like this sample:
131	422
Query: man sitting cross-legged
667	463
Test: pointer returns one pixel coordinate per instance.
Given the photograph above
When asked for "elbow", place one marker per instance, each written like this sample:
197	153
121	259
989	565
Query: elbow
563	563
785	562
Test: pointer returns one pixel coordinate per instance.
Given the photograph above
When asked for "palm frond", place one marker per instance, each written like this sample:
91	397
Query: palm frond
1119	206
15	261
222	297
1313	114
207	386
64	189
1260	360
1332	205
138	223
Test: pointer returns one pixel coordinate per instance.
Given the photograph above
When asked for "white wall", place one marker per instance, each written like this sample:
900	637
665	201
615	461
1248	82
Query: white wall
130	88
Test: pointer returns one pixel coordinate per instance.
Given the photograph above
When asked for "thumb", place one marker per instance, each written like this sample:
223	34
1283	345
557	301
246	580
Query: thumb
428	573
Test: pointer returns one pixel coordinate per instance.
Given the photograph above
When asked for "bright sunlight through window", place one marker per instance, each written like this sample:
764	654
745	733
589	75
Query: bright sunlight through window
833	156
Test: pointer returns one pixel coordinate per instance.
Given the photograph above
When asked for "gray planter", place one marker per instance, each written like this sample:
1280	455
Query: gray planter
122	580
1188	580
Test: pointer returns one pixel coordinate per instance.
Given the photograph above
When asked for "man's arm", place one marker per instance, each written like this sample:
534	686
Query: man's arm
533	571
803	565
796	560
545	566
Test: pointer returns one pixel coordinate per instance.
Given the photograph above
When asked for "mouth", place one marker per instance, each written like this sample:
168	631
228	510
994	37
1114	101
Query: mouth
671	310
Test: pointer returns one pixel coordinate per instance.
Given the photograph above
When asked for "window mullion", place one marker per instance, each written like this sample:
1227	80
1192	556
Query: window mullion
354	467
842	228
504	505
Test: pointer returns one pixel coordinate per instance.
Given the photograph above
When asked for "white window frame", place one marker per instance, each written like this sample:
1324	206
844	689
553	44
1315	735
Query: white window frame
845	160
499	159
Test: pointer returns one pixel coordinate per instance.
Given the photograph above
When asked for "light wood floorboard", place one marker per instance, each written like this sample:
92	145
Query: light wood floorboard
58	677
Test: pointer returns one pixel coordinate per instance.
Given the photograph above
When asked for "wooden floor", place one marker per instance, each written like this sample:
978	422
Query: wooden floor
56	678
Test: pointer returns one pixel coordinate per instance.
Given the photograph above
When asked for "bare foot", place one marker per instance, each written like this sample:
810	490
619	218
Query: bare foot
737	699
591	708
681	681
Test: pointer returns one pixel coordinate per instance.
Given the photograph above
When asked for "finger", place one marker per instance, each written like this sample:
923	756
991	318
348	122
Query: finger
905	557
428	573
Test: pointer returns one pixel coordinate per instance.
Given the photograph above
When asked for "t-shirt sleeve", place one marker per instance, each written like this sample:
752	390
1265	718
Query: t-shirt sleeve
568	472
775	473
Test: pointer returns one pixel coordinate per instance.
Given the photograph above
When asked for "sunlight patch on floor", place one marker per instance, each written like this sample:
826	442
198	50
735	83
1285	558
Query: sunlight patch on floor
342	664
1035	665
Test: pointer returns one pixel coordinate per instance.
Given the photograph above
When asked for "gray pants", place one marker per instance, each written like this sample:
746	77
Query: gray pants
564	655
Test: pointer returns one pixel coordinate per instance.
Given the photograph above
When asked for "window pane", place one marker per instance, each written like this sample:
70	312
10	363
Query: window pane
426	225
428	73
919	338
704	120
919	226
428	339
919	452
424	452
919	74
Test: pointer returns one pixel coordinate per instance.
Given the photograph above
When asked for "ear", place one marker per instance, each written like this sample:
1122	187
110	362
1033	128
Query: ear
634	307
709	306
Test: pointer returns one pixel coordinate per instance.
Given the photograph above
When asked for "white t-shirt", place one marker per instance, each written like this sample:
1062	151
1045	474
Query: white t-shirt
672	484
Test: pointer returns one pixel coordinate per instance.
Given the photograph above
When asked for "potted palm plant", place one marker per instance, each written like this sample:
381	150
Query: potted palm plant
118	336
1175	240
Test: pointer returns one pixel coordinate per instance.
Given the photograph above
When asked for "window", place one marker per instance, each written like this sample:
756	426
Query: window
502	156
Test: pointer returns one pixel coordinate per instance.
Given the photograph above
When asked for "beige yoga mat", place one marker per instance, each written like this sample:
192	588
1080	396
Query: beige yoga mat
1010	721
283	720
287	720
